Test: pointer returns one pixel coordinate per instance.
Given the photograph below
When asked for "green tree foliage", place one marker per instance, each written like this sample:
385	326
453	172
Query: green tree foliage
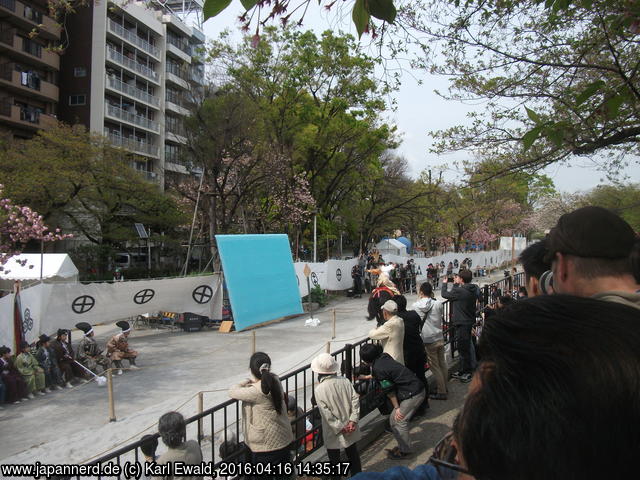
297	120
75	179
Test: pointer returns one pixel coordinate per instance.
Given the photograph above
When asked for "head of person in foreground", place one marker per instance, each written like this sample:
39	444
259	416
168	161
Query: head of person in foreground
556	395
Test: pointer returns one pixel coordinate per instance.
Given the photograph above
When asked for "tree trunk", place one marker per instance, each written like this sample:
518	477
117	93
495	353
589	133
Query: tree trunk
213	221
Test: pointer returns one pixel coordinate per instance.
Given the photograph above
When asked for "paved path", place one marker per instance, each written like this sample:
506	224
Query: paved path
426	431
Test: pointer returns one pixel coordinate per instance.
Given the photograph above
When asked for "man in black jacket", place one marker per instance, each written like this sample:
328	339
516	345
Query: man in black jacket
463	297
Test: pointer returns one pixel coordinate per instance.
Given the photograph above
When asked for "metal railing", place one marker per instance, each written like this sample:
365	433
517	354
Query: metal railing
138	120
134	145
7	36
131	64
134	39
132	91
177	70
179	43
221	423
8	4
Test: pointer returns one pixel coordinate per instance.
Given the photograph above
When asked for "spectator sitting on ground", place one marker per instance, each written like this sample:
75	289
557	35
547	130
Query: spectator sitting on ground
339	407
391	332
265	423
534	265
16	387
173	431
31	371
297	420
555	397
591	252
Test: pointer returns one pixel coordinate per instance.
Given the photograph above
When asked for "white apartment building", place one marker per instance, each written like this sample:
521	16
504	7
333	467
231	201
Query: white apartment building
129	73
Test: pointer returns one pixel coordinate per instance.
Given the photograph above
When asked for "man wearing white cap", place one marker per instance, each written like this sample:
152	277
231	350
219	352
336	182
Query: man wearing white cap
339	406
391	332
118	348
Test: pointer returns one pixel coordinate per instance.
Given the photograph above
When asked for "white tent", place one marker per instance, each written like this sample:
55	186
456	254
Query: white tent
391	246
56	267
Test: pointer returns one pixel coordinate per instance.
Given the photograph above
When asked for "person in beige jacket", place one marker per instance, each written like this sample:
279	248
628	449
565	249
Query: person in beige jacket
339	406
266	426
391	332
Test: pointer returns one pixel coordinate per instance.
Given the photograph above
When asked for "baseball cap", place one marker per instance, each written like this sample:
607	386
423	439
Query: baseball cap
591	232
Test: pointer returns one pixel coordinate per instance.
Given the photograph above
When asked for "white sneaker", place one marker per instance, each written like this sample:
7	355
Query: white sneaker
68	385
47	390
39	393
31	396
118	372
57	387
134	367
16	402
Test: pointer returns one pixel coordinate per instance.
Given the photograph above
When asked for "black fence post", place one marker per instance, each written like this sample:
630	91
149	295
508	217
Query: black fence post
348	360
485	295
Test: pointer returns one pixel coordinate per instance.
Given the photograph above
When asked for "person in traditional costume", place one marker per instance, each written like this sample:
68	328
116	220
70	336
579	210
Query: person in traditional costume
31	371
47	359
118	348
65	357
88	352
13	381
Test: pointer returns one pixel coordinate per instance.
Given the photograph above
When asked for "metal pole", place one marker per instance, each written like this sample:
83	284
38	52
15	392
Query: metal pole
200	410
253	341
193	223
315	237
149	250
328	347
513	251
333	334
41	258
112	408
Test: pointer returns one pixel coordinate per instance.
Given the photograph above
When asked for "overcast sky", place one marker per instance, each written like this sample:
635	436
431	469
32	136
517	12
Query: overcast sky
419	110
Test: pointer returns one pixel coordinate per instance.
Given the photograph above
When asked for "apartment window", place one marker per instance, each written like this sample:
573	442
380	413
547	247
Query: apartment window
31	47
79	72
75	100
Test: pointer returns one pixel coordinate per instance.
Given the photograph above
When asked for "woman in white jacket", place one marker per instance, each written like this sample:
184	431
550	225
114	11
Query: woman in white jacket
430	309
266	426
339	406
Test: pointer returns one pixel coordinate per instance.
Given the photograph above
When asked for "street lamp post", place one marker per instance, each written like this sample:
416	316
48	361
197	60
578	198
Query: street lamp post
315	236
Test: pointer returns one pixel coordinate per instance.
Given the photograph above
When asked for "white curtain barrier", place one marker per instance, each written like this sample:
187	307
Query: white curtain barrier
47	307
336	274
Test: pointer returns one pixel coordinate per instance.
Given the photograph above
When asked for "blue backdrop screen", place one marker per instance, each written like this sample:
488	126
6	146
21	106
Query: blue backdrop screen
260	278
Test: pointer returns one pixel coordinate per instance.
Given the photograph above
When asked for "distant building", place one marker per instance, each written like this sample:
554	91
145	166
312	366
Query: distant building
128	73
29	67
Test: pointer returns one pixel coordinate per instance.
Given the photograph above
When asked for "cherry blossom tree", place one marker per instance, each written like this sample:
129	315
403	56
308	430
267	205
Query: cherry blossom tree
18	226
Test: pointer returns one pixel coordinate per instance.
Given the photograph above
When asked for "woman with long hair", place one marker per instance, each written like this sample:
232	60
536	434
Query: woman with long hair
266	426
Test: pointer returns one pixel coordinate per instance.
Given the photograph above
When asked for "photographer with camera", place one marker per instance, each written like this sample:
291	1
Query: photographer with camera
591	250
463	297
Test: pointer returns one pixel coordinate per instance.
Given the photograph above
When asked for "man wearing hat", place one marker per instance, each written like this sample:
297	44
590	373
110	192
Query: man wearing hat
88	352
118	348
31	371
590	250
391	332
64	357
47	360
339	407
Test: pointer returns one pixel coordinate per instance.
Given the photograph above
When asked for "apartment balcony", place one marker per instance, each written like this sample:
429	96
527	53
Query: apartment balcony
133	39
176	135
179	48
28	118
176	107
27	83
27	50
137	120
29	18
177	76
175	167
136	146
118	85
133	66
